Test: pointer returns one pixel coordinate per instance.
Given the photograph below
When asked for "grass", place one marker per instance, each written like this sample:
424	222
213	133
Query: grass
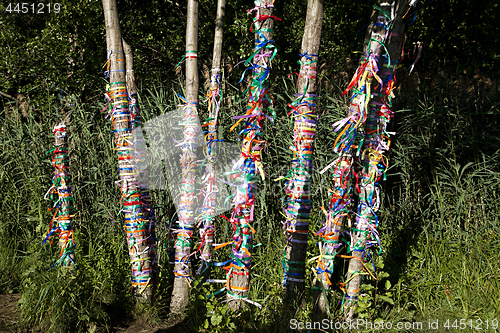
439	219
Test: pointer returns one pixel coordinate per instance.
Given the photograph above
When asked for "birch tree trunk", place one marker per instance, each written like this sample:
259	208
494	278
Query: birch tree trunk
63	189
134	216
299	186
140	165
345	146
183	243
375	143
343	165
211	185
247	169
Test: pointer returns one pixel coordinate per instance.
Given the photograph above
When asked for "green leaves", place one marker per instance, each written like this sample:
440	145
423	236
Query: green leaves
387	285
386	298
43	53
216	320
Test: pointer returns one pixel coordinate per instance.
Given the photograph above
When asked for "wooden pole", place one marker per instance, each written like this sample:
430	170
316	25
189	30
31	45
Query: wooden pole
299	186
183	244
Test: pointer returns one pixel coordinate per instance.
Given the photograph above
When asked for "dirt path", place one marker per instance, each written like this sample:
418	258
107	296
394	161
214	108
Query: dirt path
9	312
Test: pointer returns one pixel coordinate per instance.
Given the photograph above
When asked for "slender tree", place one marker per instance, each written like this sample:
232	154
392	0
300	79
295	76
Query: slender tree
299	186
386	36
183	244
64	205
341	193
367	71
249	167
214	103
140	164
135	222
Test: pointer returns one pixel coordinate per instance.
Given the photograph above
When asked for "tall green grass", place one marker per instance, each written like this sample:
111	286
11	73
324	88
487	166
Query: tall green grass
438	222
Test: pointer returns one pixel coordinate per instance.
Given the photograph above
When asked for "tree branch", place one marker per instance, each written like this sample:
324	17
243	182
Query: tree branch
7	95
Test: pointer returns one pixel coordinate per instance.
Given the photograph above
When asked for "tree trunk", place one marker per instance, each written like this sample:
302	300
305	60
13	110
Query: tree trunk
60	186
247	169
191	53
135	225
339	207
374	144
183	244
299	186
214	100
140	167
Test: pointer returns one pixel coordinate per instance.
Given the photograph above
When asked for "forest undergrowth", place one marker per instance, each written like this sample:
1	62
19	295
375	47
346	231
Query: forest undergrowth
439	219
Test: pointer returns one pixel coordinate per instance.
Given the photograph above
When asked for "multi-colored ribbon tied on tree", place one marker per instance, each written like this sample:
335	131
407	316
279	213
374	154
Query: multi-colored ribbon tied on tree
298	189
365	138
60	194
133	203
248	169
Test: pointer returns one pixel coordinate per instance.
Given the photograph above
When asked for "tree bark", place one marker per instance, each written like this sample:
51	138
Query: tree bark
299	186
211	185
183	244
134	215
192	80
247	169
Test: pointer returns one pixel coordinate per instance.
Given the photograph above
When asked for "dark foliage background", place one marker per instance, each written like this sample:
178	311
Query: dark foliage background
62	53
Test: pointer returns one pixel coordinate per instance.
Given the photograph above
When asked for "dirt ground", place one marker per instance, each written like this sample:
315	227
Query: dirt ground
9	312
